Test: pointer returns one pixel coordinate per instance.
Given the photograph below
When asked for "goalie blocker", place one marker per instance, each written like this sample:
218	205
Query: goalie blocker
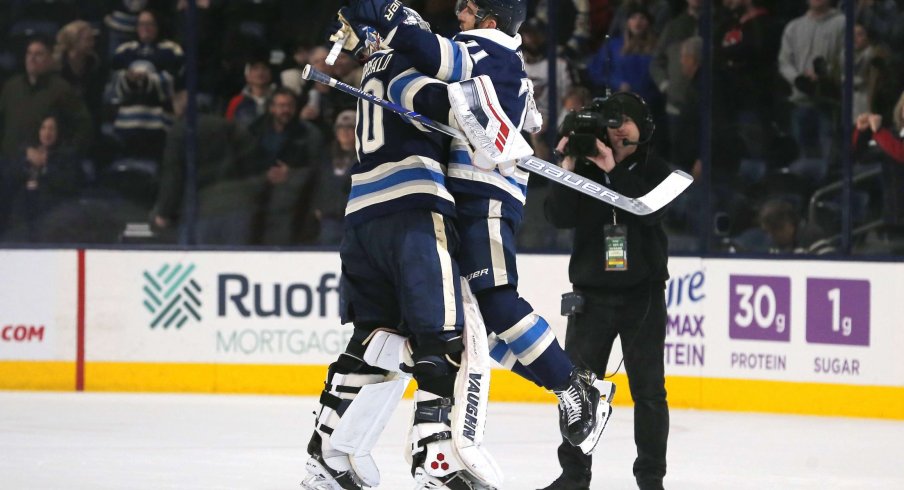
496	141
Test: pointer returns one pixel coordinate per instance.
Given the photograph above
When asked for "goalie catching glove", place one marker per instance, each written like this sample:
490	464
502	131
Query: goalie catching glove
497	142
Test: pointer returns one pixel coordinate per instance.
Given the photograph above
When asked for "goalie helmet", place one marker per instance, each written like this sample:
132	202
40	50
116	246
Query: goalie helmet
373	41
509	14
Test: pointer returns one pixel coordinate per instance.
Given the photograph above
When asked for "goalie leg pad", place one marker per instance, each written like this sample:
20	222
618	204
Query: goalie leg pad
448	453
472	391
355	406
355	410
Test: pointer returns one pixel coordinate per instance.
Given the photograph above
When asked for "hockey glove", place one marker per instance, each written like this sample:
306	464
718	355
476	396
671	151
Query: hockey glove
384	15
357	39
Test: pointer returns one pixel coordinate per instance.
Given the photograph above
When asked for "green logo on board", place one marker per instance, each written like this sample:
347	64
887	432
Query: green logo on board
172	296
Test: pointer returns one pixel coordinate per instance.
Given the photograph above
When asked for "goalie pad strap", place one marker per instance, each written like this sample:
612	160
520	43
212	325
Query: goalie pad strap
334	402
325	429
428	412
439	436
439	402
343	388
439	349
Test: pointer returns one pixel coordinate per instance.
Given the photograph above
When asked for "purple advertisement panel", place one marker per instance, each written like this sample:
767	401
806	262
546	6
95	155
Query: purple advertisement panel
838	311
759	308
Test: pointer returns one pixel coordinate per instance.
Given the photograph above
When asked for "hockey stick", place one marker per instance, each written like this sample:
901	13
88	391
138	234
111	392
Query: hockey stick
649	203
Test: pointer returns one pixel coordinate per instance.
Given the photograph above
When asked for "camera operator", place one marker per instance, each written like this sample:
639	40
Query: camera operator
618	271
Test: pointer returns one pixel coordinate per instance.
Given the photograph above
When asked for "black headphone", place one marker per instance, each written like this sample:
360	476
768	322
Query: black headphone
645	125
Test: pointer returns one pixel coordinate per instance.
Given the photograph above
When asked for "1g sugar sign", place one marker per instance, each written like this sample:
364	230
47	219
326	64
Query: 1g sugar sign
838	311
759	308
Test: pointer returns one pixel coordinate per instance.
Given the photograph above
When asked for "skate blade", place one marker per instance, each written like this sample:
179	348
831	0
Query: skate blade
604	411
606	389
424	481
318	478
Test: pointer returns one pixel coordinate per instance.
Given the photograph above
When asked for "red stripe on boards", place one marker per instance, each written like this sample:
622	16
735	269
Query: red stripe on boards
80	325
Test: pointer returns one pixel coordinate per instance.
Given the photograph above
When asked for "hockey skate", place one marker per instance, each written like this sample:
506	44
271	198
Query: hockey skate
321	477
584	409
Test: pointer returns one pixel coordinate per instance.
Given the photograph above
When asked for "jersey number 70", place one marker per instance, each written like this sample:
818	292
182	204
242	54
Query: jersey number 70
371	118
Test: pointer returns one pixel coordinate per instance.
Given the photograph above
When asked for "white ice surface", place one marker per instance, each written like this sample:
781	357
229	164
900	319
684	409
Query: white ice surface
152	441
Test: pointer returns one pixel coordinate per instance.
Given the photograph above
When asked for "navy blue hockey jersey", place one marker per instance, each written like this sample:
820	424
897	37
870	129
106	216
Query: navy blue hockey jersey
467	55
400	165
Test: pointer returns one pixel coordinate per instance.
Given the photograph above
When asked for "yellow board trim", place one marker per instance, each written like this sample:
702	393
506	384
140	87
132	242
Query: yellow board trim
683	391
43	375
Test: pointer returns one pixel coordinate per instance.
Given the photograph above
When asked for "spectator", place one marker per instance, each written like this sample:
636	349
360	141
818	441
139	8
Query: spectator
666	66
27	97
882	19
288	153
536	65
283	139
574	28
746	60
47	174
324	103
866	69
869	125
686	155
251	103
350	71
335	180
319	108
789	233
148	73
869	131
659	11
686	147
809	60
121	23
80	65
291	77
228	183
347	69
623	64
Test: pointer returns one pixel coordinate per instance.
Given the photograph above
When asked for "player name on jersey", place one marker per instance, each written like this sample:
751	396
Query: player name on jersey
376	64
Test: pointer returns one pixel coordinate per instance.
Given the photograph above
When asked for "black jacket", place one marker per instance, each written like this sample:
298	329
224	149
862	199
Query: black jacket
227	178
647	243
302	144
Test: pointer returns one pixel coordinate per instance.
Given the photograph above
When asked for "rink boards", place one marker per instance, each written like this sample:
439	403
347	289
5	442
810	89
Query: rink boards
808	337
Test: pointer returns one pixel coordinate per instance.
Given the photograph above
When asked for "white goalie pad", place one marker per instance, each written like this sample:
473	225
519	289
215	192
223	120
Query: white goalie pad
363	422
388	350
472	390
357	430
496	140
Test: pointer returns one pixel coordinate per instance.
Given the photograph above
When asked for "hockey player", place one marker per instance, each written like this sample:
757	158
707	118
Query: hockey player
402	290
490	204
